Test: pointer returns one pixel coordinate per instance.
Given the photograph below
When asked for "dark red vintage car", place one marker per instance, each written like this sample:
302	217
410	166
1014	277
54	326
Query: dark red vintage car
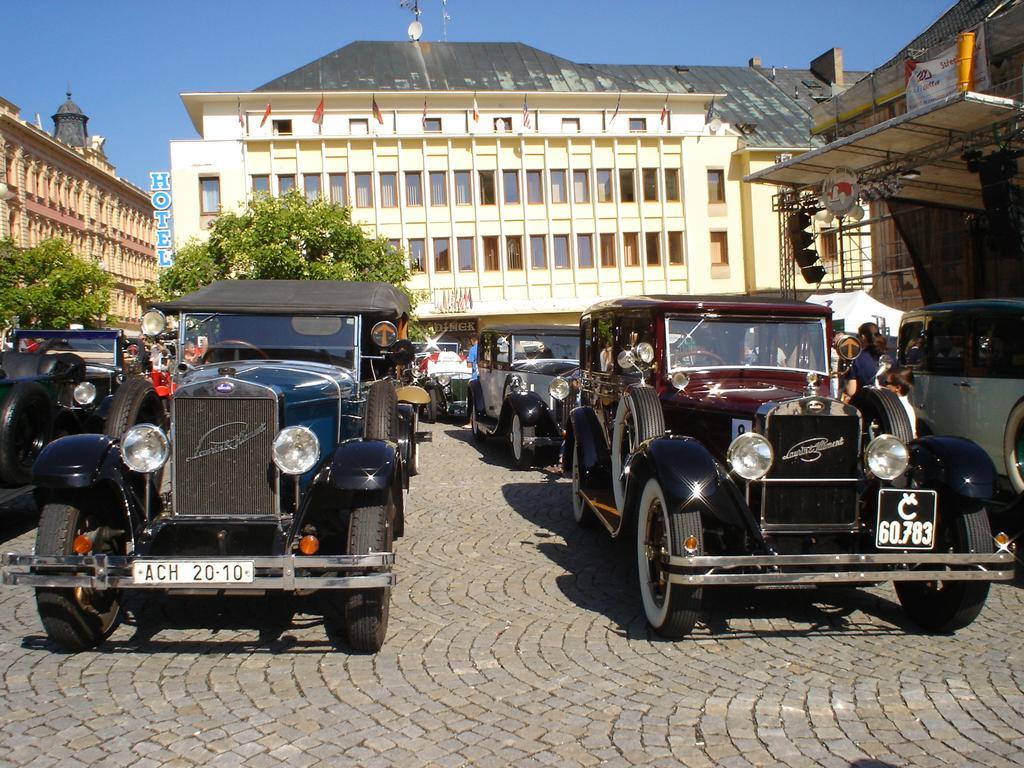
710	434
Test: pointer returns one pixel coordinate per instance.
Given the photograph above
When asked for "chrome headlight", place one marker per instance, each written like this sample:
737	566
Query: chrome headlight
85	393
887	457
153	322
680	380
750	456
645	352
296	450
443	379
145	448
558	388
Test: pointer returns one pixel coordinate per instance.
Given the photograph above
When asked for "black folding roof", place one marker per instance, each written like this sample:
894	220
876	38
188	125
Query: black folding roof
293	297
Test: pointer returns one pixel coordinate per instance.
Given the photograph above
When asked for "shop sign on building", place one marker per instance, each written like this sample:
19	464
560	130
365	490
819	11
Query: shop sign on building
160	197
439	327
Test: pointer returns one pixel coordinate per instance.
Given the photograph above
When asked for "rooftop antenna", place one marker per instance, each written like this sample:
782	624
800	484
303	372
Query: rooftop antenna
415	30
445	18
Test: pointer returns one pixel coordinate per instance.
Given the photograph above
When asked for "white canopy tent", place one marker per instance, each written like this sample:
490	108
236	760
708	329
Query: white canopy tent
856	307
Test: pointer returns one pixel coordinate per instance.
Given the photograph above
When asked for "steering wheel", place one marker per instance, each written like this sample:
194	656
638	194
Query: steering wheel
694	353
226	344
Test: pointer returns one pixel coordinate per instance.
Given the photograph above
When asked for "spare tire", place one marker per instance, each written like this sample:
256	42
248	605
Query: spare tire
26	424
381	416
882	413
135	402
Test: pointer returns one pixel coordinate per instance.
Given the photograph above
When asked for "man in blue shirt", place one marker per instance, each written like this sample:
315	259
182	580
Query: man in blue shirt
471	356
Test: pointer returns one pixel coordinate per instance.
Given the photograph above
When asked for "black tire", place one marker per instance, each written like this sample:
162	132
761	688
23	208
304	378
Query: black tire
1013	447
671	610
135	402
478	434
366	610
581	511
74	618
882	413
414	446
381	417
638	418
26	424
946	606
522	454
430	410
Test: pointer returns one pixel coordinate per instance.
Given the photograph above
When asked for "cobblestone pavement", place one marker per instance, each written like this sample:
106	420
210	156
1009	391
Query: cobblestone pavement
515	639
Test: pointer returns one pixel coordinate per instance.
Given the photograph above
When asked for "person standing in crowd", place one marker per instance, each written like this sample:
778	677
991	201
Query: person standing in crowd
471	356
865	367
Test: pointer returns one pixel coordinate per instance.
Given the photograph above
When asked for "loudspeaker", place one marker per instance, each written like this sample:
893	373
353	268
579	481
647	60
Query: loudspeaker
1004	203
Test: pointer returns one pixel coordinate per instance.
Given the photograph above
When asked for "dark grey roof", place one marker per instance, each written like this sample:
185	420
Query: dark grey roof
803	86
763	112
292	297
961	16
70	124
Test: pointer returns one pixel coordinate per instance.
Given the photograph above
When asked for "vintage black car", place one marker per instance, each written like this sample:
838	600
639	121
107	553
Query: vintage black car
445	375
283	469
516	365
710	437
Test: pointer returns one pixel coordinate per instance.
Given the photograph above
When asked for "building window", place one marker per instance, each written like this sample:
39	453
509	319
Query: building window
514	249
503	125
650	180
414	188
653	249
359	126
432	124
631	249
719	249
585	251
488	195
492	261
395	245
534	187
627	185
638	125
570	125
560	246
538	252
465	245
311	185
261	183
511	187
716	185
604	186
282	127
463	188
675	247
672	184
442	257
438	188
209	195
285	183
364	191
388	191
417	252
827	246
608	249
339	189
581	186
558	191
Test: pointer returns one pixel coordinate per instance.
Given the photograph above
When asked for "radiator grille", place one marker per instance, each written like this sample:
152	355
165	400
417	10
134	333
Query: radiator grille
222	456
814	448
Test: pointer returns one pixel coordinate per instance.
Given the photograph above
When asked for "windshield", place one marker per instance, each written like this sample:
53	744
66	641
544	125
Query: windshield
542	346
95	350
712	342
219	337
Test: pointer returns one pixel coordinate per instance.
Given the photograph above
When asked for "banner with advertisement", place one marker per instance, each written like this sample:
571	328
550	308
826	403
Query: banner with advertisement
160	198
934	80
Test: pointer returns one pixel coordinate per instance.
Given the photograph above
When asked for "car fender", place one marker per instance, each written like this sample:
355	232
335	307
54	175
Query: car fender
595	459
477	393
955	463
364	465
529	405
690	477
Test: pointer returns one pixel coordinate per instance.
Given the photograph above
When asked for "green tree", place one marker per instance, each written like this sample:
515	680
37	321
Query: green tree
282	238
48	286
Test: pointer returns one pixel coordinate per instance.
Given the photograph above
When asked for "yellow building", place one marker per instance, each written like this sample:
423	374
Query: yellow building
517	182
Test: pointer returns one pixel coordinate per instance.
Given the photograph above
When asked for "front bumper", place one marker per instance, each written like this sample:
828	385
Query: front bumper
288	573
838	568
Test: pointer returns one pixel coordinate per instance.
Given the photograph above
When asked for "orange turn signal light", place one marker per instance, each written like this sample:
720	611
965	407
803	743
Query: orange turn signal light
1002	540
309	545
690	545
82	544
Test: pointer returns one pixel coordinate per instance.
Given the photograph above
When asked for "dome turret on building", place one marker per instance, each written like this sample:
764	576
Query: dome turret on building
69	124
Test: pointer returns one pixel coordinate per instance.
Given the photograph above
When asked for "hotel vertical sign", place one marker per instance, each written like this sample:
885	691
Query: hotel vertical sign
160	198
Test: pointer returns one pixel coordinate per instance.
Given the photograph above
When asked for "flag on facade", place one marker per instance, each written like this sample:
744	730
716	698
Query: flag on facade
318	114
476	110
241	120
664	111
376	111
424	120
526	113
711	112
266	114
618	103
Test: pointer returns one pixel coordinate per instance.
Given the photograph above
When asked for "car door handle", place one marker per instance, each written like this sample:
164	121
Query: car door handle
963	384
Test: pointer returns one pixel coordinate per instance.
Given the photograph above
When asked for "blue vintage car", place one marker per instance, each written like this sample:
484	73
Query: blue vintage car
283	470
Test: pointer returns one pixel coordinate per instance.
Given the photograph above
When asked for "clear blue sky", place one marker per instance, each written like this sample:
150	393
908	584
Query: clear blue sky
127	60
